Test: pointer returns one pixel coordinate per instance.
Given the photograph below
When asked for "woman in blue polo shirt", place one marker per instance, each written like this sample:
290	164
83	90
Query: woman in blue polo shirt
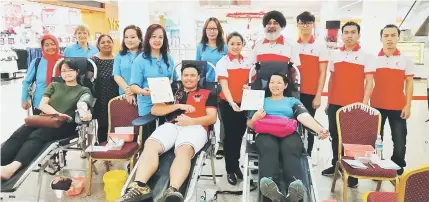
40	73
81	48
153	62
212	46
131	47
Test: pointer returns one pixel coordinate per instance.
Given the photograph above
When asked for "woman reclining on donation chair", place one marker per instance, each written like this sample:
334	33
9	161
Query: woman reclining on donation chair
59	98
288	146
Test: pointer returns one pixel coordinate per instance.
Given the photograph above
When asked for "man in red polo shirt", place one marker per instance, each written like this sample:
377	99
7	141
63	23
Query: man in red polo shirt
314	61
275	47
393	70
351	81
186	130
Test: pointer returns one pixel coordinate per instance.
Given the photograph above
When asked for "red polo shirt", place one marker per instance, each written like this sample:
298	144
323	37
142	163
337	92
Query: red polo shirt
348	75
311	55
236	72
201	99
389	79
282	50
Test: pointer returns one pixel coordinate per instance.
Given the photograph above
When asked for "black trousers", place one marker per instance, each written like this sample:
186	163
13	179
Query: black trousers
307	101
332	113
102	133
285	152
234	124
27	142
398	126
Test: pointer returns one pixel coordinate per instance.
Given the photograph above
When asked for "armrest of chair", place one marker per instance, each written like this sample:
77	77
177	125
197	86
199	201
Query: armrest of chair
144	120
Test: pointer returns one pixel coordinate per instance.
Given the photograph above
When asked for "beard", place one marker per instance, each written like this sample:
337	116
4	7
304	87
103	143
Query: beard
272	35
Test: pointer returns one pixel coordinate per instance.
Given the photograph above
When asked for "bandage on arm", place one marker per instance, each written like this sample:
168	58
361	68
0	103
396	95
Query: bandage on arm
88	99
83	105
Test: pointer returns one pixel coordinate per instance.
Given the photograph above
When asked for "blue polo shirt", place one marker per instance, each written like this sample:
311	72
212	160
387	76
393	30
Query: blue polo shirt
210	55
145	67
282	107
40	81
75	50
122	67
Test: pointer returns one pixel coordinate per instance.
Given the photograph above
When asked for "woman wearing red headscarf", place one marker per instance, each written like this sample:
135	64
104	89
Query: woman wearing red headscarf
40	73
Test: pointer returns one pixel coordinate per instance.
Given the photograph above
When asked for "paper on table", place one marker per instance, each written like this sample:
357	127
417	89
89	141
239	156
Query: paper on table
252	99
388	164
124	130
160	90
96	149
355	164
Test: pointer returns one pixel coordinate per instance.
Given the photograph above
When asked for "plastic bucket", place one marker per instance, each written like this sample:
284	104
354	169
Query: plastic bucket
113	182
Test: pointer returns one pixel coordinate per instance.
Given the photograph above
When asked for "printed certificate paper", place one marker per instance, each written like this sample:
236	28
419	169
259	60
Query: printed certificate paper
252	99
160	90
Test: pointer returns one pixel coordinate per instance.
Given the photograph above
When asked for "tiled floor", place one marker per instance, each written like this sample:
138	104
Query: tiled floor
417	154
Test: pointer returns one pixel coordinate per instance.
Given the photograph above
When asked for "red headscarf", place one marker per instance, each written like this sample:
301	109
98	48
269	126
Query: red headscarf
52	59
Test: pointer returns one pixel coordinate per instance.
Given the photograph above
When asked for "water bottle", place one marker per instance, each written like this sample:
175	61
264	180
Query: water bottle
379	147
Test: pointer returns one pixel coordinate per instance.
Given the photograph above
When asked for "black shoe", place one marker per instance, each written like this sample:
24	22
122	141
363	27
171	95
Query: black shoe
239	174
254	171
232	180
219	154
400	171
329	171
352	182
136	193
172	195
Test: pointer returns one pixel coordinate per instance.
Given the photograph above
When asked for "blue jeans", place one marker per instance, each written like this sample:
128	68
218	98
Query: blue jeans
398	126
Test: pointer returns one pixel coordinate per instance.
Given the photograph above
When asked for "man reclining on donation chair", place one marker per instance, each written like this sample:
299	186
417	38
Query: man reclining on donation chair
185	129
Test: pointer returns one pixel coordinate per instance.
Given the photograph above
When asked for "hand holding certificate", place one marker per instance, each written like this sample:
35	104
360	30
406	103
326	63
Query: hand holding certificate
160	90
252	99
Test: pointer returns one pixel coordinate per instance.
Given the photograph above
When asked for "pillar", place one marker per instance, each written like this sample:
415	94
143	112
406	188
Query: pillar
188	23
186	12
328	12
133	12
375	15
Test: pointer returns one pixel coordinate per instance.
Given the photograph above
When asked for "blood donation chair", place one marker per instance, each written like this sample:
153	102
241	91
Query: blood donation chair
261	72
52	159
160	180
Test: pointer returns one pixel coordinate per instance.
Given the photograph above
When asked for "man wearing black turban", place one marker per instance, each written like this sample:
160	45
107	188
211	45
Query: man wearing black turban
276	48
273	19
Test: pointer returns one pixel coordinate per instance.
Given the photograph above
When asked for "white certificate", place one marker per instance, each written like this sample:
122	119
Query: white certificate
252	99
160	90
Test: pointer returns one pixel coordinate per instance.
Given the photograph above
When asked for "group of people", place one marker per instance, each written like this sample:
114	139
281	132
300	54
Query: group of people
353	74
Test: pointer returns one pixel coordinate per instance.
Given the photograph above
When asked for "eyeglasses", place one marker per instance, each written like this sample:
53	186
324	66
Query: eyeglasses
212	29
68	70
305	24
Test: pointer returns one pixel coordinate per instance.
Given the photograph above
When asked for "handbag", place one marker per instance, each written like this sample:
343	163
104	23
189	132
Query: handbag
276	126
45	121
